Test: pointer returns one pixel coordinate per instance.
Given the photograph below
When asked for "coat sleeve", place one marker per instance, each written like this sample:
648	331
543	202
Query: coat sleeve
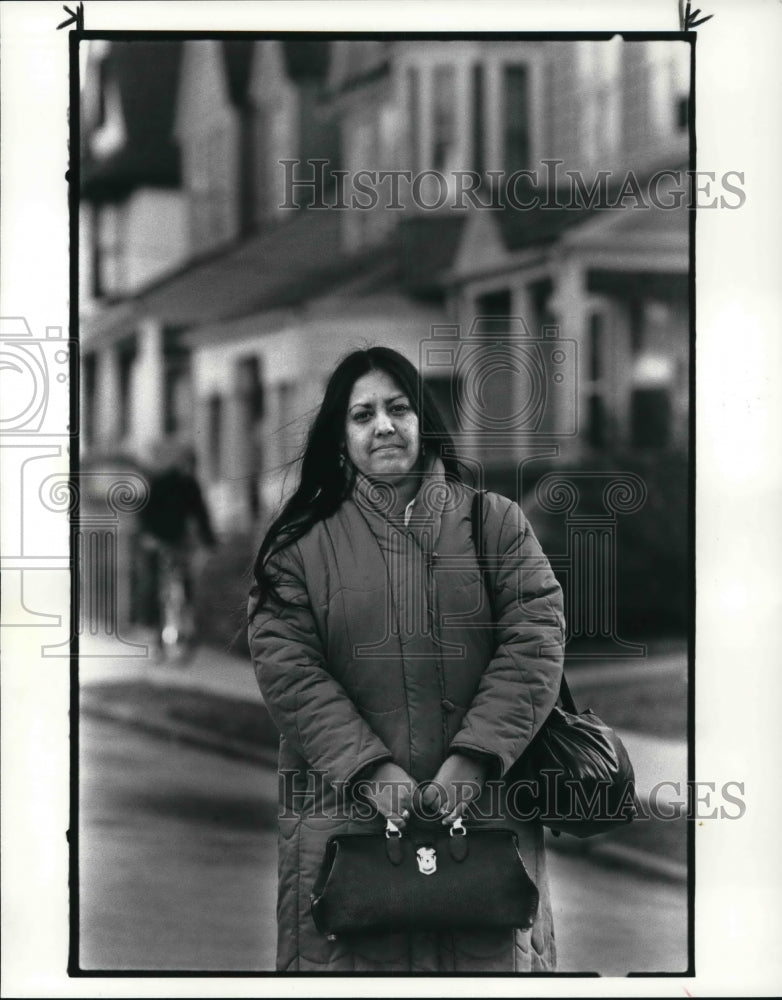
309	707
520	685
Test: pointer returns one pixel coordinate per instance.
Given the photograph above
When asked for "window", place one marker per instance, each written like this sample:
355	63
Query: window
540	293
274	138
444	126
595	347
669	85
261	172
371	145
635	308
653	377
595	387
516	125
127	359
89	391
211	186
288	437
478	113
177	401
494	308
492	388
599	76
96	282
100	103
109	247
104	118
596	421
388	136
683	113
650	417
362	146
445	392
250	388
214	436
414	116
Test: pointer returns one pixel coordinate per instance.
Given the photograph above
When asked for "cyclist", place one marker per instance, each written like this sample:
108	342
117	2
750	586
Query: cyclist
174	526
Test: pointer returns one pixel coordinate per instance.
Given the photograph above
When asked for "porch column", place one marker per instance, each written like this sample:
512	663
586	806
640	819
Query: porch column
570	306
107	399
519	401
236	445
147	425
272	433
200	437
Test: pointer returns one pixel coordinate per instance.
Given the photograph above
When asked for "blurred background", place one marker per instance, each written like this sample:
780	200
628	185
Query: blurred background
556	340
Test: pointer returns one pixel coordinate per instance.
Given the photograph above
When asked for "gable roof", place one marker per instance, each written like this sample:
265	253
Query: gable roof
145	75
528	227
427	246
522	228
358	61
288	264
281	266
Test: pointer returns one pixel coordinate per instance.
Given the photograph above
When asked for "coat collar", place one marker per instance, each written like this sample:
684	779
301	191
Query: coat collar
435	494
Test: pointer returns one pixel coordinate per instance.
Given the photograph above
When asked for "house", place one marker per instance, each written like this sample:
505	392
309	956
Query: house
237	239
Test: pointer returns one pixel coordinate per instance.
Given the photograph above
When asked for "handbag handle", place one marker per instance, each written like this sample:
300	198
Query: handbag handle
457	828
458	846
479	541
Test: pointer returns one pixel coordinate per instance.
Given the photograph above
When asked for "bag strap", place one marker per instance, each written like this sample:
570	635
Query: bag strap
479	542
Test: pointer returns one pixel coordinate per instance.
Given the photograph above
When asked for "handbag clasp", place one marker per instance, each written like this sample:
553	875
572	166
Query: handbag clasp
427	860
458	847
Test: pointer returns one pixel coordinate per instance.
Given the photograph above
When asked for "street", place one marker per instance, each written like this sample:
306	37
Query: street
178	870
177	855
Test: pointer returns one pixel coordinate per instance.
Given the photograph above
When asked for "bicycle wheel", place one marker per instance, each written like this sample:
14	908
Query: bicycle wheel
174	611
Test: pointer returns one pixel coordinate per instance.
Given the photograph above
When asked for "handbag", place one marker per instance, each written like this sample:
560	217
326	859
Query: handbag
441	878
576	775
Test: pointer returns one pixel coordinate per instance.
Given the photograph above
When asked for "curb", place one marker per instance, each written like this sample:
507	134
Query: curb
614	855
619	855
182	732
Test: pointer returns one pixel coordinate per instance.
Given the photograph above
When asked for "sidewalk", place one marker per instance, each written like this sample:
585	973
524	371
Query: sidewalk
219	707
105	661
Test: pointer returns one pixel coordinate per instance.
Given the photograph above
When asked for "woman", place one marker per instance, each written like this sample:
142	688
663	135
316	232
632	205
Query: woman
364	640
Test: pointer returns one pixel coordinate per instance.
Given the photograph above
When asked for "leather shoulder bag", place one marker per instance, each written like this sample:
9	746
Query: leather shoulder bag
576	775
434	878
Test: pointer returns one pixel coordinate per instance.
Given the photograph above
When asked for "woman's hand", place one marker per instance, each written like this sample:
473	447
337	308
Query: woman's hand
390	790
459	781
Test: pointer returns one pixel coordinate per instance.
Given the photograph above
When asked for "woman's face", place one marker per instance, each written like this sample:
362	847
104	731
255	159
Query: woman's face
381	427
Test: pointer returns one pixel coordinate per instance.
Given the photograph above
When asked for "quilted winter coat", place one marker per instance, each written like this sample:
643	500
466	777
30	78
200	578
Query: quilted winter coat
377	657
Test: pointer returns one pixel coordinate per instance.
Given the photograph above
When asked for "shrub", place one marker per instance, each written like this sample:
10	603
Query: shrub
653	547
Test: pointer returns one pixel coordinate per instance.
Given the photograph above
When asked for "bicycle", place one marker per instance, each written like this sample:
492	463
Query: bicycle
177	618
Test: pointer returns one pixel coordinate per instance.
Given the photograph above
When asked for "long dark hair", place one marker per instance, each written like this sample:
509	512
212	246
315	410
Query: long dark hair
323	484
